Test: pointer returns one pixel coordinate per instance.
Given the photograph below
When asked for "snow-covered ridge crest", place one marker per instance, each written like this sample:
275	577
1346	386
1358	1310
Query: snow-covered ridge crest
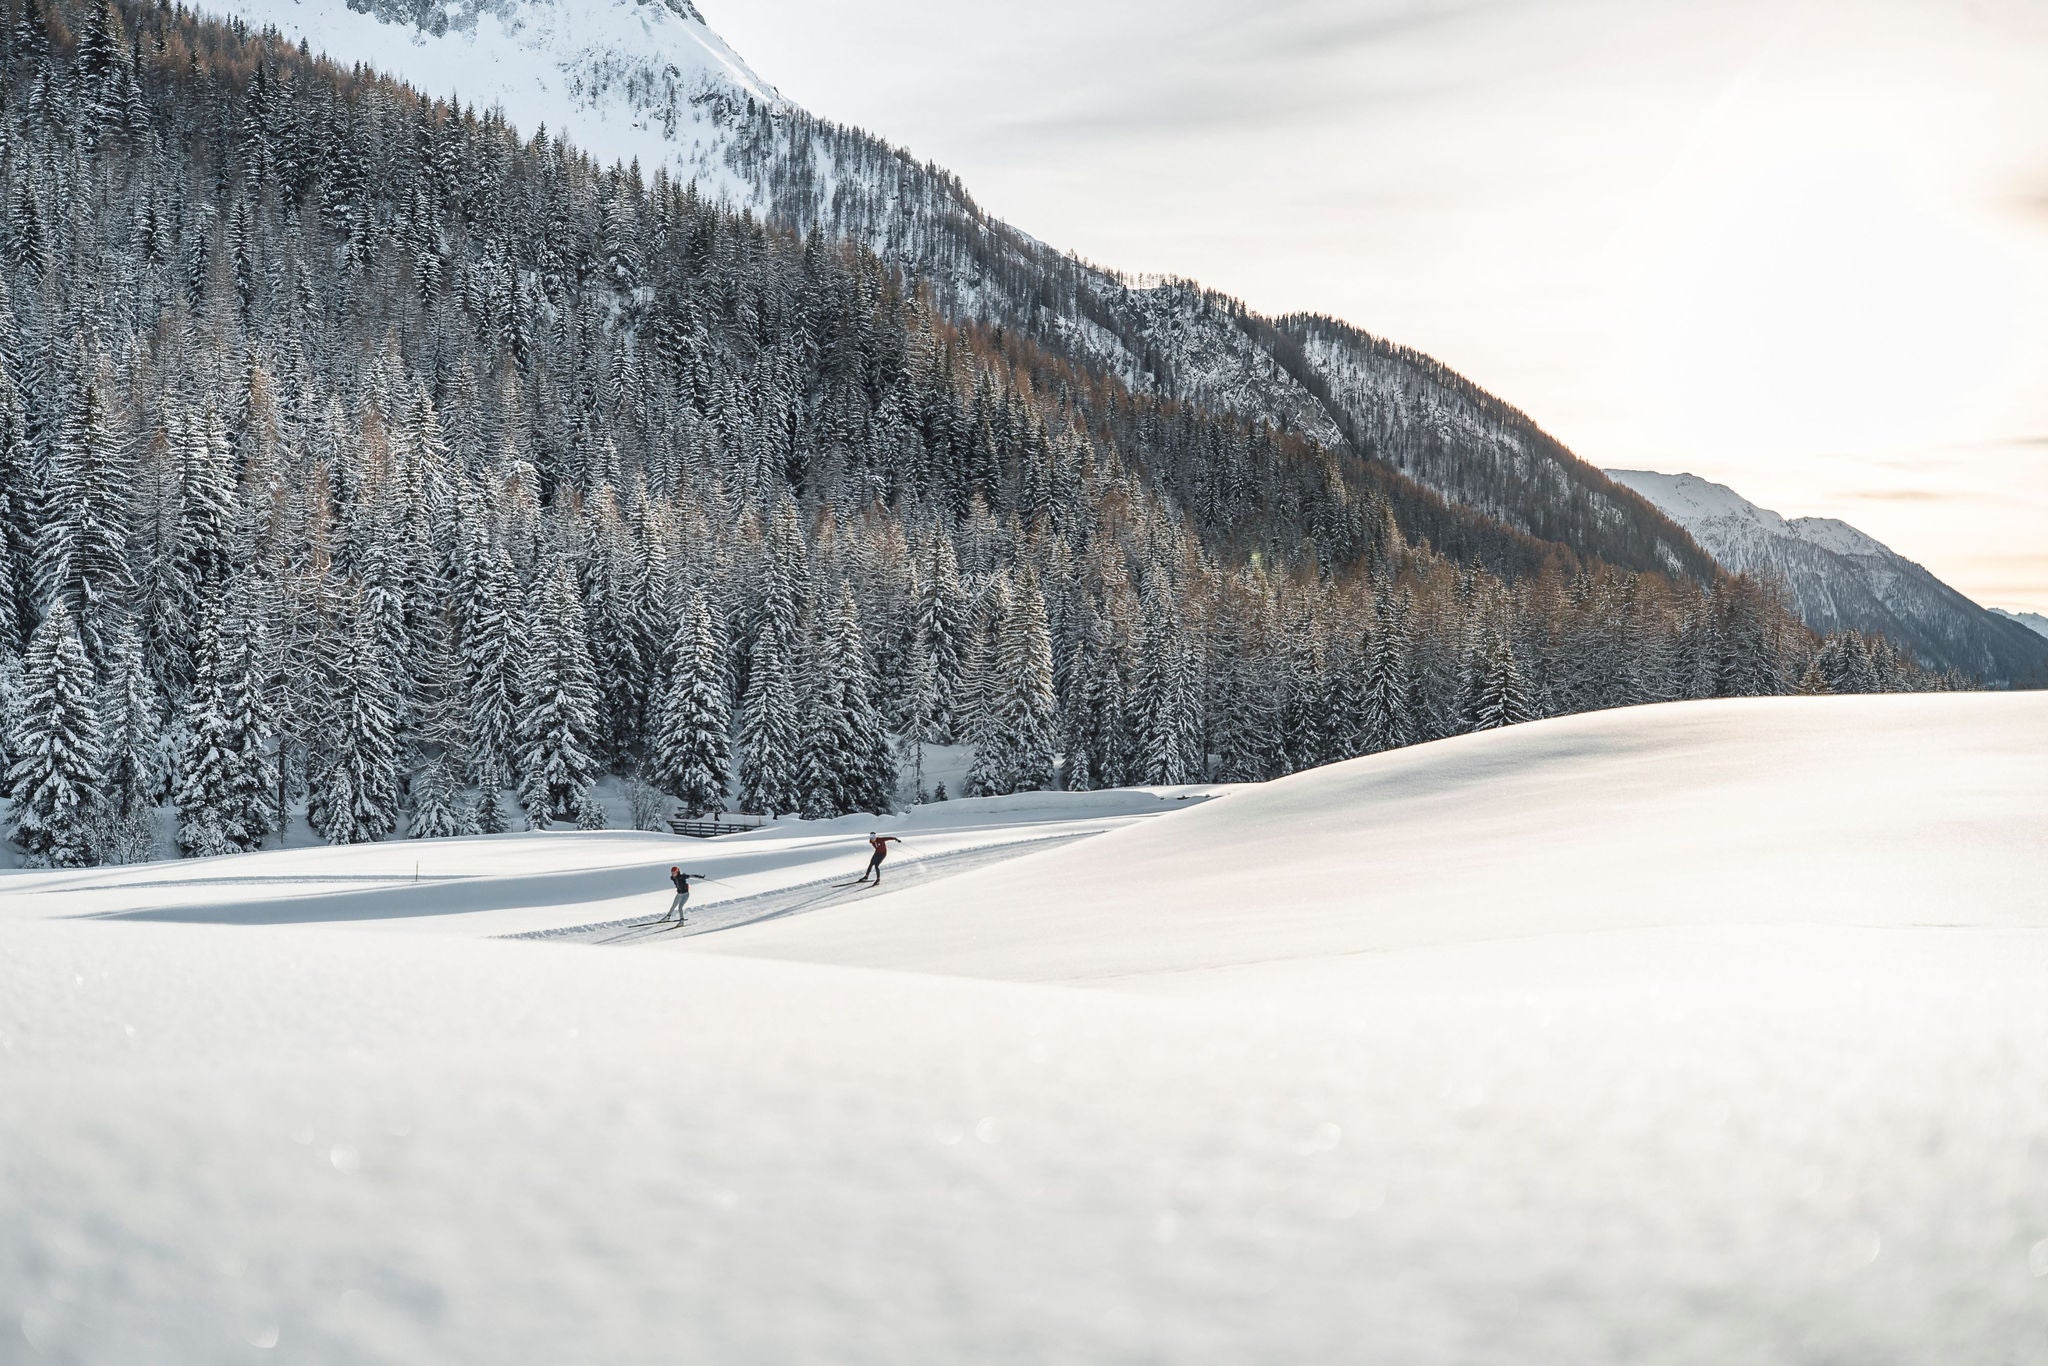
642	80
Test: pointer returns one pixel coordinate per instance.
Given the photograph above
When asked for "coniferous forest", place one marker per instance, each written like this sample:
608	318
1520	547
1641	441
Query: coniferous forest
359	455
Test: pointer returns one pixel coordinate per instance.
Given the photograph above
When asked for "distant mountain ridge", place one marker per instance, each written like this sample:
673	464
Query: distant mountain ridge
647	80
1841	579
2033	621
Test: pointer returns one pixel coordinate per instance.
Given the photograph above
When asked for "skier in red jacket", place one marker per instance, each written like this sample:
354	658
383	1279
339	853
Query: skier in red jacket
880	844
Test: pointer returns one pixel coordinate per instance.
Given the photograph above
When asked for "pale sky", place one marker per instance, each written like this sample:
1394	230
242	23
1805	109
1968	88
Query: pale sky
1800	248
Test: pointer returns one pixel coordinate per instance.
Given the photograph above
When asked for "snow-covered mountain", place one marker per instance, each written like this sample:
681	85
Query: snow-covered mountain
2033	621
629	80
1842	579
647	80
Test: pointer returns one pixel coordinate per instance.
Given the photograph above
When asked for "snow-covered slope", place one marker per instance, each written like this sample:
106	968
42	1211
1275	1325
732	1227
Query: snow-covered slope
2033	621
1683	1034
1841	579
631	79
647	80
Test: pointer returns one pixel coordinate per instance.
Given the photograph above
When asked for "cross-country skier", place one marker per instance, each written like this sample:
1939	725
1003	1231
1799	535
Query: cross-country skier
880	844
682	881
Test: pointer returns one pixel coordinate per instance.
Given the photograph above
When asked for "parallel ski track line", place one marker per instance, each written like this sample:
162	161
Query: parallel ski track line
829	889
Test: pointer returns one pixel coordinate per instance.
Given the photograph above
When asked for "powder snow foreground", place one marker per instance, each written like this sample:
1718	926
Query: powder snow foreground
1698	1033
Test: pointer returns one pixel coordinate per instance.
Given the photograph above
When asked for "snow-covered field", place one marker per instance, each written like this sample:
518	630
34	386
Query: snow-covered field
1704	1033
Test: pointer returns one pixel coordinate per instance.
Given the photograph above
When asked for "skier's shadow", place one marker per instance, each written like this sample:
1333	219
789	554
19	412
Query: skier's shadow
645	930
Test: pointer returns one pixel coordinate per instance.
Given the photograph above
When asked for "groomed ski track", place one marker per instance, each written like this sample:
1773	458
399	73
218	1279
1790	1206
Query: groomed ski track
710	917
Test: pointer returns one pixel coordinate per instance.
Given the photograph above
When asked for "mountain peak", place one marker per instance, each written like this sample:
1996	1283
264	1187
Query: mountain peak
1840	578
624	79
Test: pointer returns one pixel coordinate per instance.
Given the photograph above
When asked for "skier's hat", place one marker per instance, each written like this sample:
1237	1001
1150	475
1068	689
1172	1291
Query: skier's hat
675	868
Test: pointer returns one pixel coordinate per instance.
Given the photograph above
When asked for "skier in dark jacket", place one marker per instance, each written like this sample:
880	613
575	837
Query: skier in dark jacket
682	881
880	844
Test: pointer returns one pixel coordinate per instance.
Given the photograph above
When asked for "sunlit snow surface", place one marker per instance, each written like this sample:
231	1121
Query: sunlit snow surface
1705	1033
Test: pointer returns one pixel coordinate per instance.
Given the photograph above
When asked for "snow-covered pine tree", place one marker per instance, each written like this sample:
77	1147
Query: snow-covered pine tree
1015	747
1384	721
1304	724
489	815
10	712
437	809
1167	696
224	778
361	778
493	658
1098	740
16	539
848	759
972	689
1748	620
1501	693
770	742
558	725
1241	697
614	593
917	708
941	630
58	748
133	760
207	509
1814	681
1342	699
81	549
692	759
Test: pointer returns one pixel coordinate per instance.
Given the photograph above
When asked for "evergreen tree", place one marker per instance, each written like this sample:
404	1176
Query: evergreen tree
558	727
437	812
134	760
1384	721
58	748
770	743
1501	696
941	628
848	764
17	538
493	659
1014	751
489	816
81	552
224	775
1167	696
919	708
361	804
692	759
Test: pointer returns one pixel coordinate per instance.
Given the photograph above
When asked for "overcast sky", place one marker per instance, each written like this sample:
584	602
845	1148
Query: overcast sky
1799	248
